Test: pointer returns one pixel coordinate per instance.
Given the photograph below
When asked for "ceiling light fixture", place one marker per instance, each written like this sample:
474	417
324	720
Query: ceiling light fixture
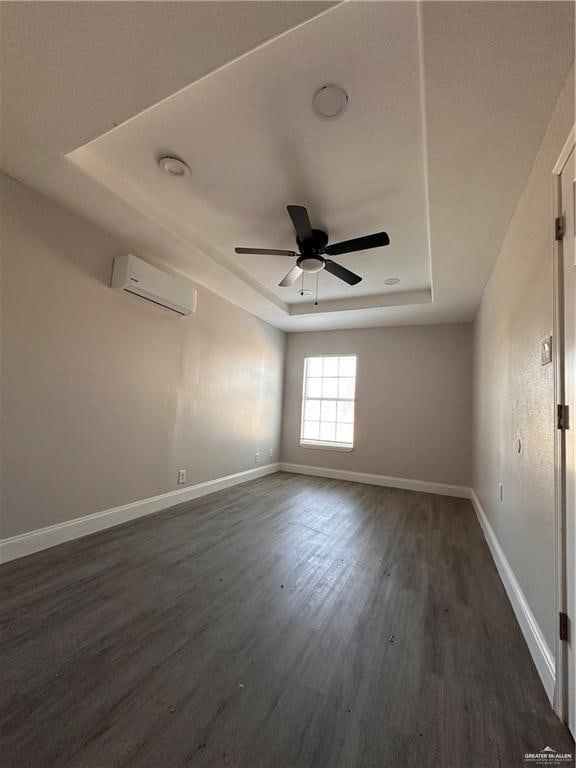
391	281
330	102
311	264
174	166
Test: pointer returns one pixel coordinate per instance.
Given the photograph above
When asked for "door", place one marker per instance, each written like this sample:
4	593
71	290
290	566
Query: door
566	296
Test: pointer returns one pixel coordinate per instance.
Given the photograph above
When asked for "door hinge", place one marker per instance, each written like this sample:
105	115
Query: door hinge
563	626
563	414
559	228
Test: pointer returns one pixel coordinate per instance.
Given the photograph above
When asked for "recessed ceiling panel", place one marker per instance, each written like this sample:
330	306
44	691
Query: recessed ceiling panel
254	144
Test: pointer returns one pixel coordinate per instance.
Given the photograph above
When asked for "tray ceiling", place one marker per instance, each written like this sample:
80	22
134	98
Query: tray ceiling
254	144
449	102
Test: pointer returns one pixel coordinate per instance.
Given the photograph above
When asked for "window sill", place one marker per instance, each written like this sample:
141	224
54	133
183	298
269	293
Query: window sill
327	446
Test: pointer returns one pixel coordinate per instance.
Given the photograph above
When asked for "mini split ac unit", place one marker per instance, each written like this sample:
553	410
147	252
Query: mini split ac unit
132	275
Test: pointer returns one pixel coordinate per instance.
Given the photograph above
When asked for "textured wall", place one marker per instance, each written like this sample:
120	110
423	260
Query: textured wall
105	397
514	393
413	401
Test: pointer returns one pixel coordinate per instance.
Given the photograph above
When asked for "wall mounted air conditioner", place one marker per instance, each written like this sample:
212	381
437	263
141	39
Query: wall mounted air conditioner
132	275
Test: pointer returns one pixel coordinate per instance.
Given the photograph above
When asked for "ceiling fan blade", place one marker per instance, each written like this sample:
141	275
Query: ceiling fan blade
359	244
291	277
301	222
267	251
339	271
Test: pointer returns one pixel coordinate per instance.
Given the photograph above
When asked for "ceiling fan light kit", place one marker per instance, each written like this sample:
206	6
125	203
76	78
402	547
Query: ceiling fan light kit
311	264
313	247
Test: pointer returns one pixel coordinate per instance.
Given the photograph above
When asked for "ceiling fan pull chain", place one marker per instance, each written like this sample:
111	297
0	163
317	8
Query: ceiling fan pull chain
316	297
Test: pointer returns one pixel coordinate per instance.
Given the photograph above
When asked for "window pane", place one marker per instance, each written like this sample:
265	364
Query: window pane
348	366
314	366
314	388
328	412
311	430
328	431
312	410
329	387
346	412
344	433
346	388
331	366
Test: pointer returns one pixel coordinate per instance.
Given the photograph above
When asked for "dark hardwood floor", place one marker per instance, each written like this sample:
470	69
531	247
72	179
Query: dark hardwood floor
285	623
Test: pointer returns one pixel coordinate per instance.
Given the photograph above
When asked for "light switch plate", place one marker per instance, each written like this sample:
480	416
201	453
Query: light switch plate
546	351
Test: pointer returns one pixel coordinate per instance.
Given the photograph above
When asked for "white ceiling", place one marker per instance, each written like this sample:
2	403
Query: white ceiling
254	144
448	104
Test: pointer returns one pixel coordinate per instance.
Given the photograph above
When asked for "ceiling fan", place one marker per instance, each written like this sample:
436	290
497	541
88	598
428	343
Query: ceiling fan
313	246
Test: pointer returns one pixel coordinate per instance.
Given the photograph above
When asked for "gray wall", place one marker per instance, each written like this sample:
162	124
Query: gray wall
105	397
514	393
413	401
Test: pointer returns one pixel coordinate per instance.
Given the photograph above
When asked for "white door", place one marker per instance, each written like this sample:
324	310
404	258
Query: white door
568	204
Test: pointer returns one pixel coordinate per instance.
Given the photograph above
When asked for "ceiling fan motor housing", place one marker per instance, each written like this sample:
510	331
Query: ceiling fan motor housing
315	244
312	249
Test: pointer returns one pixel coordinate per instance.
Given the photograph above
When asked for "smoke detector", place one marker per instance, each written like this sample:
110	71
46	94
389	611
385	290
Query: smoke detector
330	102
174	166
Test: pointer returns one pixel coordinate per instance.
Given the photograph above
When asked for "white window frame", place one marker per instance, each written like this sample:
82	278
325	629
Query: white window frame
324	444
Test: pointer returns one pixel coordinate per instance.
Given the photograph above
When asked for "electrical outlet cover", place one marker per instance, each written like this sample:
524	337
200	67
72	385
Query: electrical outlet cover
546	351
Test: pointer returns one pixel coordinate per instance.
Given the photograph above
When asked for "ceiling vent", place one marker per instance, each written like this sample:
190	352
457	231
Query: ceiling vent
330	102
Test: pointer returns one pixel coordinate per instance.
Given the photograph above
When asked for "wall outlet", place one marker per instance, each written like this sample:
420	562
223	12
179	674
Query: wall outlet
271	453
501	491
181	476
257	457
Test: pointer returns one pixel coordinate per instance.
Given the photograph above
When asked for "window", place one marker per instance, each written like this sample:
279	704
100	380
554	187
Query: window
328	401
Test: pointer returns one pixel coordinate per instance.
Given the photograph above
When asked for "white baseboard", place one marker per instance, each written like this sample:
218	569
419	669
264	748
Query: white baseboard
541	654
460	491
34	541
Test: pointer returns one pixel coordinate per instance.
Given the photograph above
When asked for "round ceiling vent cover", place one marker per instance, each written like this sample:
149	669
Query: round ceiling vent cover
330	102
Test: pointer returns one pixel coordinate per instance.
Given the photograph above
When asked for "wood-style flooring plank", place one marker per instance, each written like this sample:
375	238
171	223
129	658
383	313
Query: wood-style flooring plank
290	622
